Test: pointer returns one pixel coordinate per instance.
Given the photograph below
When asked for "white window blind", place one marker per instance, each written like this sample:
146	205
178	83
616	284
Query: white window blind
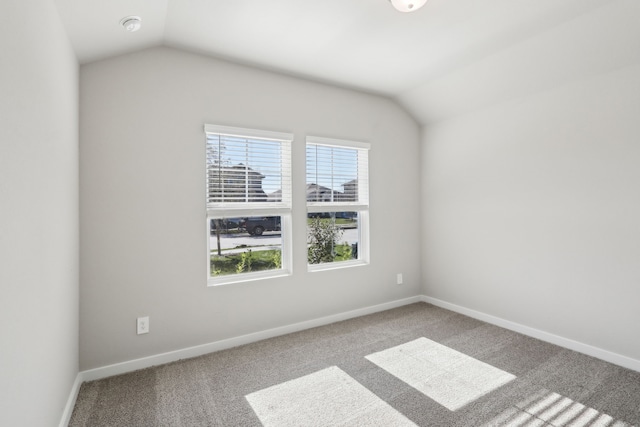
337	175
247	169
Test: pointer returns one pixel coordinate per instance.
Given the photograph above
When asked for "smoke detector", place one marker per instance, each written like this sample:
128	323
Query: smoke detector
131	23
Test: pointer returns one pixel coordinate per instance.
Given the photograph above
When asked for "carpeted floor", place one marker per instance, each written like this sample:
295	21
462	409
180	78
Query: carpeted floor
353	373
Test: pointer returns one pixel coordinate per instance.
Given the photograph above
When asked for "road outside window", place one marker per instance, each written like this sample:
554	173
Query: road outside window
245	245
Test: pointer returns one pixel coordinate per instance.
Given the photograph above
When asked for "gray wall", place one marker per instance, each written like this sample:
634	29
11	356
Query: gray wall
531	209
142	215
39	214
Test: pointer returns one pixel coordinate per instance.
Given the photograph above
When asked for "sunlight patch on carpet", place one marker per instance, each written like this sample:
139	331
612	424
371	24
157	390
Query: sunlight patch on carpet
328	397
449	377
546	408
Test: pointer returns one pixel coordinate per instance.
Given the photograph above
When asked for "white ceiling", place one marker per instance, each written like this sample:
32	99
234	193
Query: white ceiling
449	57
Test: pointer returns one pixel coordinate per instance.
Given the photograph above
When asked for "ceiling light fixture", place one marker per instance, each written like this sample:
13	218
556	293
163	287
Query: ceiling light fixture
131	23
408	5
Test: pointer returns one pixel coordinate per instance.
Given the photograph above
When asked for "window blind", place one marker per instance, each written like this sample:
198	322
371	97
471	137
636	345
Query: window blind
337	173
247	168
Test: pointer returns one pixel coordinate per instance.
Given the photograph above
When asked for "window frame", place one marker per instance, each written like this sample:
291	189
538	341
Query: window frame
361	206
282	208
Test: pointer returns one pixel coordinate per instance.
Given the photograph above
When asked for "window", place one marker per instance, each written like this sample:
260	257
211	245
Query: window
248	204
337	203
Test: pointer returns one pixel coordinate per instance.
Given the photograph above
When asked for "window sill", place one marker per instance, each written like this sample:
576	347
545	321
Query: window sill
313	268
246	277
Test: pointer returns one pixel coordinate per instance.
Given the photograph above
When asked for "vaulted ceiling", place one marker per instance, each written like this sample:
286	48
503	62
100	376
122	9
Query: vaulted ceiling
448	58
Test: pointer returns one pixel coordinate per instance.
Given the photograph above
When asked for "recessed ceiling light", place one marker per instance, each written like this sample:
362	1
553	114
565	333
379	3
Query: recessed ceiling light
408	5
131	23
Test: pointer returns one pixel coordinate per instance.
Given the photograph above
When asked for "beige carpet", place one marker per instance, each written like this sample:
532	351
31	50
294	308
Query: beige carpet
328	397
449	377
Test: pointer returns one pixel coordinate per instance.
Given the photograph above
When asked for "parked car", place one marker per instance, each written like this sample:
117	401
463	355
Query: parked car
345	215
319	215
257	225
226	224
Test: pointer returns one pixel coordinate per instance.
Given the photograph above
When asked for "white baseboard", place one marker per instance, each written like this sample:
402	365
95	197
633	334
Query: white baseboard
587	349
172	356
71	401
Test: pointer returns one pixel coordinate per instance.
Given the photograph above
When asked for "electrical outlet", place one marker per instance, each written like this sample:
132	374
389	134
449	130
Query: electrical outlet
399	279
143	325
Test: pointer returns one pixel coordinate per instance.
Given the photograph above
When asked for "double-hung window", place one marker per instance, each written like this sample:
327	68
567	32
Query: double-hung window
248	204
337	203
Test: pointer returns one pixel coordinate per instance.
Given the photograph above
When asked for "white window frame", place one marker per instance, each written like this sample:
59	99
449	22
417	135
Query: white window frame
361	206
242	209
